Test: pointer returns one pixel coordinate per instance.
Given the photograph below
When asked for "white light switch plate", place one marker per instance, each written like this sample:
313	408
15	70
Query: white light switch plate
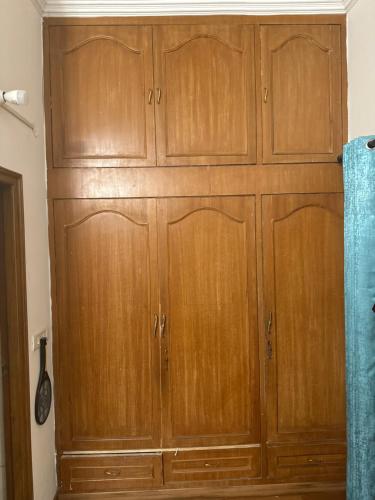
35	339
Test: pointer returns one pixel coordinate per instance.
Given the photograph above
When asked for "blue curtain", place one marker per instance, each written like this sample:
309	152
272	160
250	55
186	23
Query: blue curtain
359	186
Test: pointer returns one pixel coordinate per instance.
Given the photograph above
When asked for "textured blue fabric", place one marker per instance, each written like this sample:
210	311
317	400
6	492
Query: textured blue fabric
359	184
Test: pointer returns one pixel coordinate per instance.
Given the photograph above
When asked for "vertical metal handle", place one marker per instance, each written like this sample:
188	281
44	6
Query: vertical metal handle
162	324
265	95
269	331
158	99
155	327
269	324
150	94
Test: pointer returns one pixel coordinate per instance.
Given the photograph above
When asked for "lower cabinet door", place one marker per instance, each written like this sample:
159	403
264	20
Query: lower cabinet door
210	465
110	473
301	462
210	361
107	301
304	317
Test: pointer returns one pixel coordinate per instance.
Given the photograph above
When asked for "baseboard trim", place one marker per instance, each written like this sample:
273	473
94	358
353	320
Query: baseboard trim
232	492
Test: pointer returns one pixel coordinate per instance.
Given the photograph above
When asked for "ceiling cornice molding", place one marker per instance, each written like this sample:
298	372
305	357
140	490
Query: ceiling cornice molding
90	8
40	6
349	4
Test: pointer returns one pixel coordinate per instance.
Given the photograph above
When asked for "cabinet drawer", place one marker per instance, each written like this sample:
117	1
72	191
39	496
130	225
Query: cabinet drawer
203	465
304	462
109	473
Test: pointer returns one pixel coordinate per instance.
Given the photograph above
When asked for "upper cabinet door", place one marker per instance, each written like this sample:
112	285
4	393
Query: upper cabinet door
210	381
304	312
301	93
205	95
102	97
107	303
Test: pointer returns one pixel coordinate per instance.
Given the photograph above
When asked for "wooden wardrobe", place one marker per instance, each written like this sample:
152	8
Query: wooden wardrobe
196	236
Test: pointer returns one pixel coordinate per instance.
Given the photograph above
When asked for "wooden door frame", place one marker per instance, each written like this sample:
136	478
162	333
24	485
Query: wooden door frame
15	362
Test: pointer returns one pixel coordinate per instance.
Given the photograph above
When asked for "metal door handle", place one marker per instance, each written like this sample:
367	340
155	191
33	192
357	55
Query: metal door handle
268	336
155	327
265	95
162	325
158	99
150	94
269	324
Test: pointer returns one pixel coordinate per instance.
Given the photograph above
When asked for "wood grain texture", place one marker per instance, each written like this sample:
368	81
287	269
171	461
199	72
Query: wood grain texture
206	113
211	465
197	181
205	73
296	491
87	474
208	293
101	77
107	297
304	462
304	290
210	262
301	84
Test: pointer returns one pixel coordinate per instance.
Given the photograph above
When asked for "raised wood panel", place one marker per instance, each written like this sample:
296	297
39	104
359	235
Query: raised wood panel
100	82
107	296
307	462
211	465
209	352
301	86
206	113
303	289
109	473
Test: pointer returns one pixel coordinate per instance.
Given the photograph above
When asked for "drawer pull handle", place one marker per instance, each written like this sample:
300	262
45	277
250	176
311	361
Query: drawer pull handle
314	460
112	473
207	465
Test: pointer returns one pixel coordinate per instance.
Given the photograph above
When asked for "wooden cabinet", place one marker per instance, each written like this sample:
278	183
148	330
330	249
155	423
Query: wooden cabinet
107	110
301	85
101	96
208	293
198	303
107	296
206	87
110	473
211	465
304	462
304	301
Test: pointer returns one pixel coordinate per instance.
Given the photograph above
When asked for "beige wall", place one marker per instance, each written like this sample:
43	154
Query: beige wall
361	68
21	67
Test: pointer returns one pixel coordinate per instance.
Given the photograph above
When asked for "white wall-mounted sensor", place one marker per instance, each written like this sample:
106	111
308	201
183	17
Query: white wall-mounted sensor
13	97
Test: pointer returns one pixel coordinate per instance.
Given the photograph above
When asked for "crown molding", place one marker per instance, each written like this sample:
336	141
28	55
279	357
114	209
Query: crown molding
40	6
92	8
349	4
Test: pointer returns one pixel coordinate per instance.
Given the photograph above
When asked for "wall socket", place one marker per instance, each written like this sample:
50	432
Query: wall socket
35	339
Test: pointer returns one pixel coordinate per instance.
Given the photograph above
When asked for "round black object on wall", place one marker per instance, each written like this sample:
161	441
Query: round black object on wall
43	396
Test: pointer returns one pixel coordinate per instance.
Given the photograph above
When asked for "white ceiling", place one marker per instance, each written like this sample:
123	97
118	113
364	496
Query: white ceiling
182	7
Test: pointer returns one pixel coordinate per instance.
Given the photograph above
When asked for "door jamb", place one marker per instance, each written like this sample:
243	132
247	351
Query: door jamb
15	364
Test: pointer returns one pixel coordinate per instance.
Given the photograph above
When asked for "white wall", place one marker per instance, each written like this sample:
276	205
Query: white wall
361	68
21	67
